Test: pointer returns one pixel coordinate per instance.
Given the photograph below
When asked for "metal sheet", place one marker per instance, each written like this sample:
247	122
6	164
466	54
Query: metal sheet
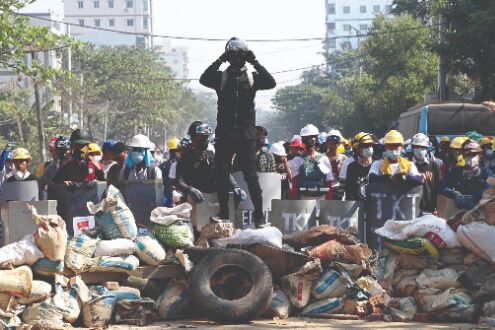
202	212
343	214
387	201
142	197
293	215
24	191
17	220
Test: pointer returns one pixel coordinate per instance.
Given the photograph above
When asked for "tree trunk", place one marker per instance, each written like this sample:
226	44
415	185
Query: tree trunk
19	129
39	117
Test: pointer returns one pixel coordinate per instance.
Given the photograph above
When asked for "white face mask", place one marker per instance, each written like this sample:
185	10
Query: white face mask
472	162
19	176
98	158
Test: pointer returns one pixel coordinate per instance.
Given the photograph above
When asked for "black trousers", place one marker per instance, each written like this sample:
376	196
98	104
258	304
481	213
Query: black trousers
245	149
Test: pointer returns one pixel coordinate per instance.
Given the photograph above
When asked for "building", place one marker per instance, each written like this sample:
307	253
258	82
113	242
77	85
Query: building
352	18
133	16
176	58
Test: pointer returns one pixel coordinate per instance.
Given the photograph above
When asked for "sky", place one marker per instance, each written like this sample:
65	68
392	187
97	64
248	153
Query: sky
253	19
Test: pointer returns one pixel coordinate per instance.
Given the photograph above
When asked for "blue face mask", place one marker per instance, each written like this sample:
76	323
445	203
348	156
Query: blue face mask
368	152
391	154
137	157
420	154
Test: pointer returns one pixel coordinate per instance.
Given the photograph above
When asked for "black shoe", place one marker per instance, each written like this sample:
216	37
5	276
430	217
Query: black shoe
260	221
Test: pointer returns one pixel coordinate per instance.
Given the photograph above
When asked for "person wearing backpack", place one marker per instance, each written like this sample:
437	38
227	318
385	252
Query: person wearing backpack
236	89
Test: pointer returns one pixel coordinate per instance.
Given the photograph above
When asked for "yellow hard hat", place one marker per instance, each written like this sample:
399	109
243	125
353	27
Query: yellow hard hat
92	149
445	139
173	143
393	137
458	142
485	141
341	149
281	142
362	138
21	154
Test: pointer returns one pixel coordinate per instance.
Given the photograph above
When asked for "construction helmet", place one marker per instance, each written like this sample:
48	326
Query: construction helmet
420	140
309	130
236	44
485	141
295	137
277	150
393	137
107	145
322	137
297	143
173	143
473	135
335	135
445	139
63	143
471	146
91	149
341	149
140	141
362	138
203	129
184	143
21	154
458	141
79	136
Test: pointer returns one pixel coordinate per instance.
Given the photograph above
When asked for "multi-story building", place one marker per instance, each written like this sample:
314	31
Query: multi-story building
350	18
134	16
175	58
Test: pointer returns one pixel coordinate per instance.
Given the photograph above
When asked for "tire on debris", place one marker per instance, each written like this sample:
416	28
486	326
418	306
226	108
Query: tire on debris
238	303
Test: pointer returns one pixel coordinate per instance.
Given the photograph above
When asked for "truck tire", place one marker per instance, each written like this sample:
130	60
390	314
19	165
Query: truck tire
253	302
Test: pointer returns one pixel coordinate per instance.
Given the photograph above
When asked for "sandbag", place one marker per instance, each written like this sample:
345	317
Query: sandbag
51	235
297	289
73	305
331	284
173	302
79	252
438	279
452	257
403	309
47	267
215	230
385	268
39	292
114	247
433	228
333	250
149	250
432	300
319	235
23	252
47	314
408	261
168	215
268	235
17	282
279	307
414	246
370	285
404	282
81	289
98	312
116	264
327	306
113	216
126	293
477	237
177	235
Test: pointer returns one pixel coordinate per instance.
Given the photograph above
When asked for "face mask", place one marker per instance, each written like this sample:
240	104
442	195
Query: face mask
19	176
98	158
368	152
203	145
391	154
489	153
420	154
309	143
137	157
472	162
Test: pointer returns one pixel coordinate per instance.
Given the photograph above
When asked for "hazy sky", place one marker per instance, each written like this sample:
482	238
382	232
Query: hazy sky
253	19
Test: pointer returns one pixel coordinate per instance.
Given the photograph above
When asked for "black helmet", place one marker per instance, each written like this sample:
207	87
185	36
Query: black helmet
236	44
203	129
192	128
79	136
63	143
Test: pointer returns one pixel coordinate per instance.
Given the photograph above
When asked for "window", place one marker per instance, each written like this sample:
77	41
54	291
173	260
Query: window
331	9
388	9
376	8
81	22
363	27
110	4
111	22
346	45
347	27
80	4
332	43
362	9
128	4
145	22
97	22
330	26
130	22
96	4
347	9
145	5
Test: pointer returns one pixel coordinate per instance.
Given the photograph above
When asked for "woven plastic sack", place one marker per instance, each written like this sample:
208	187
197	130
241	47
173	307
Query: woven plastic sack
331	284
168	215
72	305
113	216
268	235
114	247
17	282
333	250
217	230
173	302
439	279
98	312
47	314
327	306
23	252
177	235
79	252
51	235
116	264
149	250
39	292
47	267
477	237
414	246
297	289
279	307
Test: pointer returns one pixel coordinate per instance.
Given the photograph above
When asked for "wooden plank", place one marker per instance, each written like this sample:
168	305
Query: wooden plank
162	271
99	277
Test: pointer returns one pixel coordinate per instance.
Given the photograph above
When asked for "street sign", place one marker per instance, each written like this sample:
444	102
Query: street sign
343	214
293	215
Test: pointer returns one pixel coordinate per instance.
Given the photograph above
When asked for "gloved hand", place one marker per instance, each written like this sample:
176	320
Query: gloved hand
176	196
464	201
399	177
249	56
196	195
241	194
225	56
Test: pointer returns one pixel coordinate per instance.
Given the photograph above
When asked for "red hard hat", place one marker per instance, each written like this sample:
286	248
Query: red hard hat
53	143
297	143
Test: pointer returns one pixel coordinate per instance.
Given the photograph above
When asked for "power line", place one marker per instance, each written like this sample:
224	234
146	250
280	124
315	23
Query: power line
223	39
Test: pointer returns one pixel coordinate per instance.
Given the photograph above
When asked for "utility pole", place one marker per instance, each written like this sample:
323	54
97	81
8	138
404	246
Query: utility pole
442	65
81	104
39	117
105	127
69	68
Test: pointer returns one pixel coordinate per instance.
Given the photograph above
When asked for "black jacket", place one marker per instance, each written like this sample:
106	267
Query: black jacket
236	111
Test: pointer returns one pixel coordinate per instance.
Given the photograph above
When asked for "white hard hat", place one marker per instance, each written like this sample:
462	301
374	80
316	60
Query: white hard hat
420	140
309	130
277	150
153	146
335	132
140	141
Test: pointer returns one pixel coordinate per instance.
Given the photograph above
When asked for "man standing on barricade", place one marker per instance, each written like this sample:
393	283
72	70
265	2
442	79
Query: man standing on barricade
236	119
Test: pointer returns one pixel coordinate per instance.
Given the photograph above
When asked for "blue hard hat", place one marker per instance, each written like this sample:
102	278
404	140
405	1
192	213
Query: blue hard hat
107	145
322	137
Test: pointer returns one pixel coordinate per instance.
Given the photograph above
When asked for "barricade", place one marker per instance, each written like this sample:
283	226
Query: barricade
202	212
293	215
343	214
142	197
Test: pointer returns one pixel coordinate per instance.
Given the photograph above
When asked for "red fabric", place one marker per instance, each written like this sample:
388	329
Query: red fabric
294	190
329	195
